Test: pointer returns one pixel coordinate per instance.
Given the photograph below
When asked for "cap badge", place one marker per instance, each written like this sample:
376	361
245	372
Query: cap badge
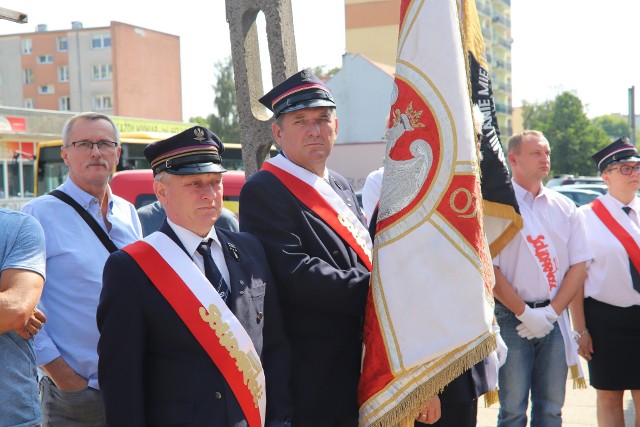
199	134
305	75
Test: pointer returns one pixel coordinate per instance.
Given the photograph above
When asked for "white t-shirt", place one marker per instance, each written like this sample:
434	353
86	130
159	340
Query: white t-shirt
565	228
371	192
608	278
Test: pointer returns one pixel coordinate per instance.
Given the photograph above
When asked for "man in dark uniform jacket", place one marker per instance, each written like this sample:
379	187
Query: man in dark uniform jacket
156	366
295	206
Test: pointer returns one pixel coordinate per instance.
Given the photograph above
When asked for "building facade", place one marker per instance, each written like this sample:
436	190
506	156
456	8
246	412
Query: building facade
115	70
372	30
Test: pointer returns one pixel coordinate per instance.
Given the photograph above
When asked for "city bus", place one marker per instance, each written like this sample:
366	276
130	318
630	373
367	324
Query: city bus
50	170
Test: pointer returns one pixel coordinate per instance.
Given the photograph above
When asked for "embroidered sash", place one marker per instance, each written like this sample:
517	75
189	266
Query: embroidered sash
544	253
624	237
208	318
317	195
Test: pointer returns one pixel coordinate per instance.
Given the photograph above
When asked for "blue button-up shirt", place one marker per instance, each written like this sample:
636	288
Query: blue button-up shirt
75	260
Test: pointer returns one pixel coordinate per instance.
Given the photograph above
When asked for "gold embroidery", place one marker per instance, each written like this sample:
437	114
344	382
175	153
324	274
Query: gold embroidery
466	209
355	232
246	362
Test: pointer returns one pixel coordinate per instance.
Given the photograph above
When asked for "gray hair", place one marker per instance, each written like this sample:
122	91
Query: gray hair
68	126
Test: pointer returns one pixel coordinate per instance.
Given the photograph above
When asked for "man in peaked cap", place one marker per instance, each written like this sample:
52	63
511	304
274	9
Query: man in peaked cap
319	250
189	317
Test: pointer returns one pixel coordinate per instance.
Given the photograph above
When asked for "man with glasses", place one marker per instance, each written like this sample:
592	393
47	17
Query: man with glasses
66	347
538	274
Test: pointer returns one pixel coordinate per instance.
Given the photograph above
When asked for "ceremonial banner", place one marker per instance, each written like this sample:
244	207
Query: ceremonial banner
429	309
502	220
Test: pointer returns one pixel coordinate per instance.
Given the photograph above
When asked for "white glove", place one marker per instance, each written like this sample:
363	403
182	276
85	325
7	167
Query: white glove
501	347
551	314
535	323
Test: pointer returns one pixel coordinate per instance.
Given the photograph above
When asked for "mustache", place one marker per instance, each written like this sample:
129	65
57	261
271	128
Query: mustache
98	163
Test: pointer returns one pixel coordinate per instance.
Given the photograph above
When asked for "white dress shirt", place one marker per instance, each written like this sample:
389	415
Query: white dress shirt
566	230
608	277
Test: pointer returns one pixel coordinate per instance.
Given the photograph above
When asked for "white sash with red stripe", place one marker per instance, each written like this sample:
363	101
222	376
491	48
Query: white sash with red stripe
316	194
544	253
208	318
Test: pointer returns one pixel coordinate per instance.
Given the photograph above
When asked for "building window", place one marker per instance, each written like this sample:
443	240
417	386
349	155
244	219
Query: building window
26	46
64	103
102	72
28	103
63	74
27	76
61	44
101	41
102	102
45	59
46	89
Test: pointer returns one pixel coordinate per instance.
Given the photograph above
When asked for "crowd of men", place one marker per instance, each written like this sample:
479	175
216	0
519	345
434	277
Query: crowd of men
201	324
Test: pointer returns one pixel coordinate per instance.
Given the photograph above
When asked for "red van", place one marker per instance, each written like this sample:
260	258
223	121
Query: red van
136	186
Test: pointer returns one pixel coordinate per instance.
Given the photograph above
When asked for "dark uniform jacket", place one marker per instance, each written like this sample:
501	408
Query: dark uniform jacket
322	287
153	372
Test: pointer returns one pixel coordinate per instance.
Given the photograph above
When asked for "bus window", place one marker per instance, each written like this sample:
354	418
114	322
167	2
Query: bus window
50	170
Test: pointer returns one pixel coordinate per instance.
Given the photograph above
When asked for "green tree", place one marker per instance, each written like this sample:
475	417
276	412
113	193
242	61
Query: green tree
614	126
199	120
224	122
572	136
322	72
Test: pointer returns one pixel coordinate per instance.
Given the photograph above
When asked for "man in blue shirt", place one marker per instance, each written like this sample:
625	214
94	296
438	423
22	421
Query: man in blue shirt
21	278
66	349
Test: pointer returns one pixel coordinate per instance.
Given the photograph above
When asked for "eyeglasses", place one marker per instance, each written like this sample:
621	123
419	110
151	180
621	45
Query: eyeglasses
626	170
103	146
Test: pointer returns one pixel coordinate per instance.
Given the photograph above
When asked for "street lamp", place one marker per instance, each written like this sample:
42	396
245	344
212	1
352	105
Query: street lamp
13	15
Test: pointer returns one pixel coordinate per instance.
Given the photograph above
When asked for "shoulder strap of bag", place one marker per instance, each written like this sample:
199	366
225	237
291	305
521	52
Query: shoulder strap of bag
99	232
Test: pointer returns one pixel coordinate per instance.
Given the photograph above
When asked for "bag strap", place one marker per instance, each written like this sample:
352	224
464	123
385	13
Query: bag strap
91	222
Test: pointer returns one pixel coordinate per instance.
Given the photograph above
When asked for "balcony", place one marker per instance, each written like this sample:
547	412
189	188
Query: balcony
505	21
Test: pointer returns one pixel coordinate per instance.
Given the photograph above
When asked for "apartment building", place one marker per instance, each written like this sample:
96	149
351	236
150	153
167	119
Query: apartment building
372	30
121	70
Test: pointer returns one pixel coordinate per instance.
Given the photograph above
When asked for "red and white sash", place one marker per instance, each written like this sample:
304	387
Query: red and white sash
544	253
316	194
208	318
620	232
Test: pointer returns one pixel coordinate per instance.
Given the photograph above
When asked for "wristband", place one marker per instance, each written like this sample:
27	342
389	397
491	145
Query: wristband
578	334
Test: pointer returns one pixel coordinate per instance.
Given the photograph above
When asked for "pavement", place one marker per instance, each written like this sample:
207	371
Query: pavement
579	407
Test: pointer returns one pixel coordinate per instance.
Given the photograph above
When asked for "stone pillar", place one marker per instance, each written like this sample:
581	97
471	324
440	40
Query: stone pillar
255	128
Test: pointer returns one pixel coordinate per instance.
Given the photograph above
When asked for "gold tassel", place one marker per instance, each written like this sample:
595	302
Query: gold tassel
491	398
578	381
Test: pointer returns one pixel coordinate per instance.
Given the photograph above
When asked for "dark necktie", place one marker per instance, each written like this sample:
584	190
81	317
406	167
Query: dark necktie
211	270
635	277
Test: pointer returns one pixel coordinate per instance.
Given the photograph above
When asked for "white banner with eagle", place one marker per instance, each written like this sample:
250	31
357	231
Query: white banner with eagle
430	305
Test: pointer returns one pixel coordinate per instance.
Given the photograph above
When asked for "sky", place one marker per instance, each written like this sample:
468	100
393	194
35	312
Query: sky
588	47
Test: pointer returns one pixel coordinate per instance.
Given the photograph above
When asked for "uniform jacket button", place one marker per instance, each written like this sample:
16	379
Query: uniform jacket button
242	282
241	292
218	395
260	315
335	253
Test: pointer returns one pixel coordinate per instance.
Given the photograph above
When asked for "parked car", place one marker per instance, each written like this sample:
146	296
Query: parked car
136	186
599	188
570	179
579	196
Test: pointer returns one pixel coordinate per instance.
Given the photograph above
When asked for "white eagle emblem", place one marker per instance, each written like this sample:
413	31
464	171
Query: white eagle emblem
199	132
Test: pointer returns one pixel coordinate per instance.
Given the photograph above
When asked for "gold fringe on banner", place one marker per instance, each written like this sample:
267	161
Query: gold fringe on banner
404	413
